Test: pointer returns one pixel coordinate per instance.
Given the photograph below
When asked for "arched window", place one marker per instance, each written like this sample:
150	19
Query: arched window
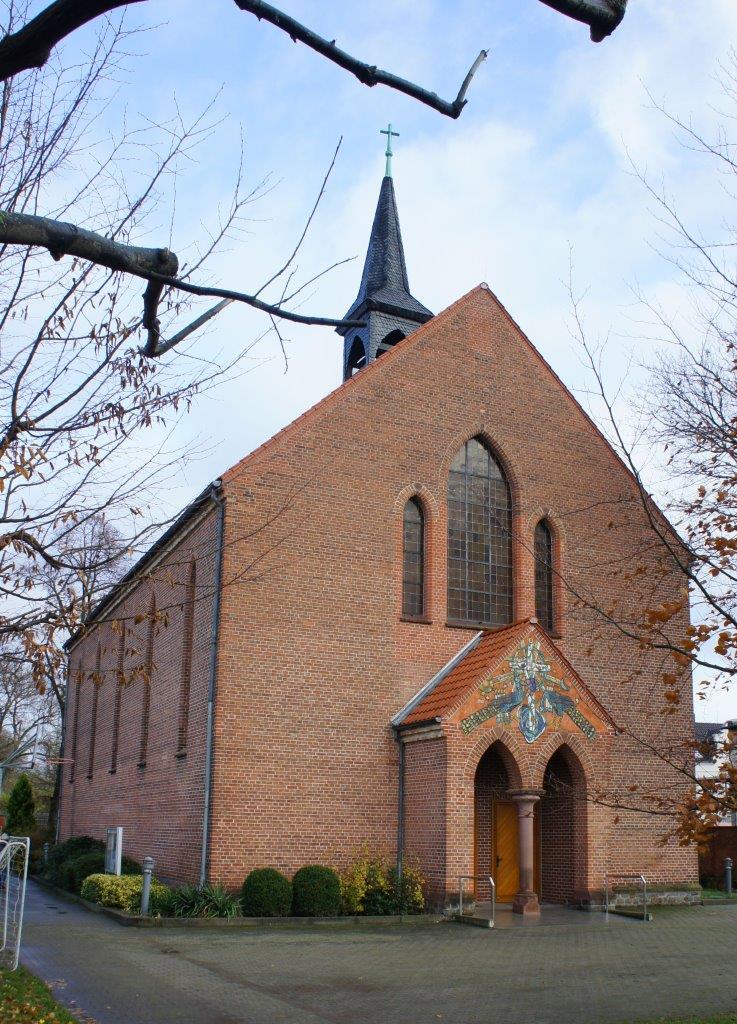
356	358
413	560
479	539
544	575
187	643
96	684
148	668
119	683
389	342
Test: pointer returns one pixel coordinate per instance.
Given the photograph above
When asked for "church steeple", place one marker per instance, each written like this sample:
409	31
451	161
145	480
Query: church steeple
384	300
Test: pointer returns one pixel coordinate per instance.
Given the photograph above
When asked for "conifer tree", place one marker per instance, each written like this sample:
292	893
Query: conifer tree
21	809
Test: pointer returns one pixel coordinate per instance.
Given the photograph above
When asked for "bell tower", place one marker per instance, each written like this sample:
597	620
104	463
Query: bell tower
384	301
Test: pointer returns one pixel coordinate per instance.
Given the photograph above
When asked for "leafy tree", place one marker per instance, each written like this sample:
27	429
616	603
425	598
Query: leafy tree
689	411
21	817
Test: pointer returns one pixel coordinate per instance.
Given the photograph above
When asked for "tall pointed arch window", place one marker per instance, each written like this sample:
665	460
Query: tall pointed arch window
148	668
186	674
479	539
544	610
413	560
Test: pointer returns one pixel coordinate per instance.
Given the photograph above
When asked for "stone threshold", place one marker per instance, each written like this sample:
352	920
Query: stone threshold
125	919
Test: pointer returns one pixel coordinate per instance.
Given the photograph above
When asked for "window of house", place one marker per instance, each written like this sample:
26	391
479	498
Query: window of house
186	676
479	539
119	682
147	671
413	560
544	575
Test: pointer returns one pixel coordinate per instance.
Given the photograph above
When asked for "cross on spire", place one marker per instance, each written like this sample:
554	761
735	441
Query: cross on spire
389	133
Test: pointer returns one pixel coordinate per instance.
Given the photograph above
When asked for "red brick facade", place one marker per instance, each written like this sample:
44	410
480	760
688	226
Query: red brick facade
314	659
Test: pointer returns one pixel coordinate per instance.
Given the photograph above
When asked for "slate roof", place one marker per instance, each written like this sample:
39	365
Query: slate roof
447	689
705	730
384	282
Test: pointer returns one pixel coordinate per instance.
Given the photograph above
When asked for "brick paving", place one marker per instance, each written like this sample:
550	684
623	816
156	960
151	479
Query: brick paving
681	963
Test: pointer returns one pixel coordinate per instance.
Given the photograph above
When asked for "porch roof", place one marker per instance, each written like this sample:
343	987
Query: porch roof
447	690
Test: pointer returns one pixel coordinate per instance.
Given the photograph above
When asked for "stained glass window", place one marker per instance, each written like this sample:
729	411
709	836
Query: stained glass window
479	539
413	560
544	575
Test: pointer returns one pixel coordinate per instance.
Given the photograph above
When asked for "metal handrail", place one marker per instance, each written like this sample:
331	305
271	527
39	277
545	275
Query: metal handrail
641	878
477	878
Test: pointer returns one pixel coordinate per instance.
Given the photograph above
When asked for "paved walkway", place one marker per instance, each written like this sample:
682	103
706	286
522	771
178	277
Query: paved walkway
683	963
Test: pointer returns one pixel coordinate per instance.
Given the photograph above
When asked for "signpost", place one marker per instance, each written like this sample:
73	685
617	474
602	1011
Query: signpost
114	850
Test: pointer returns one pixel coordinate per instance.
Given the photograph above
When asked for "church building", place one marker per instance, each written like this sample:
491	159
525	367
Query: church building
394	624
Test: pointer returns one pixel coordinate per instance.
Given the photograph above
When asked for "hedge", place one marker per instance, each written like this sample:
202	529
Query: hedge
123	892
73	872
315	892
266	893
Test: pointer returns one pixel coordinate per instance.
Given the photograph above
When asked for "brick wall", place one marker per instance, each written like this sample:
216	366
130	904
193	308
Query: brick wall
424	815
159	803
314	656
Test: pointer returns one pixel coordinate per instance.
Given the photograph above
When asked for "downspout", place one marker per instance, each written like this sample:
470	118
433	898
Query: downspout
210	723
400	808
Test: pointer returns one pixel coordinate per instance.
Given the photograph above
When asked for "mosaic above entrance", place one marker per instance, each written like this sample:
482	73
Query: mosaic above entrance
530	694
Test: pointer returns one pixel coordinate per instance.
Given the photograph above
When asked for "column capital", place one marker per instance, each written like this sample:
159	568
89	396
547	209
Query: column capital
523	795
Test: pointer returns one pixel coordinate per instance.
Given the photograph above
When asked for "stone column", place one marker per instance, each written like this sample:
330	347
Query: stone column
526	901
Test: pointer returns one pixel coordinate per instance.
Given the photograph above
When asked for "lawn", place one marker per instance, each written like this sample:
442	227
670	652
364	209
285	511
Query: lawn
717	894
26	1000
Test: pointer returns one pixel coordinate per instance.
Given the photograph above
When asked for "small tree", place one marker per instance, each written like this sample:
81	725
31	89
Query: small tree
21	808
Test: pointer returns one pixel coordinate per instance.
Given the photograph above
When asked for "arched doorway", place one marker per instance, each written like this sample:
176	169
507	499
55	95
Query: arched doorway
496	836
563	831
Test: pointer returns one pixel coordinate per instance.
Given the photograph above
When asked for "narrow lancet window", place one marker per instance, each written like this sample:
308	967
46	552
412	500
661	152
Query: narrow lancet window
413	560
187	641
479	539
119	683
96	684
147	671
544	576
75	721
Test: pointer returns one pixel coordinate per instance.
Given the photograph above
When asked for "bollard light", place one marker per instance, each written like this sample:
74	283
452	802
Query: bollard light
728	875
148	867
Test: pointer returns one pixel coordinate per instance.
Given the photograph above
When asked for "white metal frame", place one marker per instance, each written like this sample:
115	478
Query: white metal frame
14	852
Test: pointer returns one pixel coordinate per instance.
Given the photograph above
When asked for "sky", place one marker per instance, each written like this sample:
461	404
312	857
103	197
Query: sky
535	176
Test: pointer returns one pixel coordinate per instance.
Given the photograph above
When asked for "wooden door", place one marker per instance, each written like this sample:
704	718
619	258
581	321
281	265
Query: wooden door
505	850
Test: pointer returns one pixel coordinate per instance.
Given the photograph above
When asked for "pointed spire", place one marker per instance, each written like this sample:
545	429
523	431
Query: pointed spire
384	282
384	302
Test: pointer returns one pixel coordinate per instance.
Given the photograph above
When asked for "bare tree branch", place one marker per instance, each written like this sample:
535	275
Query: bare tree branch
62	239
31	46
367	74
158	266
602	16
155	347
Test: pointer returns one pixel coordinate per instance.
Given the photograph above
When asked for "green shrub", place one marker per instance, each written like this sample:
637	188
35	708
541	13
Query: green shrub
266	893
202	901
62	853
123	892
370	885
21	817
72	872
408	896
315	892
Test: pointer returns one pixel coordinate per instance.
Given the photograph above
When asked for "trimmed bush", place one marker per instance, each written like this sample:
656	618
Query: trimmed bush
266	893
315	892
73	872
122	892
